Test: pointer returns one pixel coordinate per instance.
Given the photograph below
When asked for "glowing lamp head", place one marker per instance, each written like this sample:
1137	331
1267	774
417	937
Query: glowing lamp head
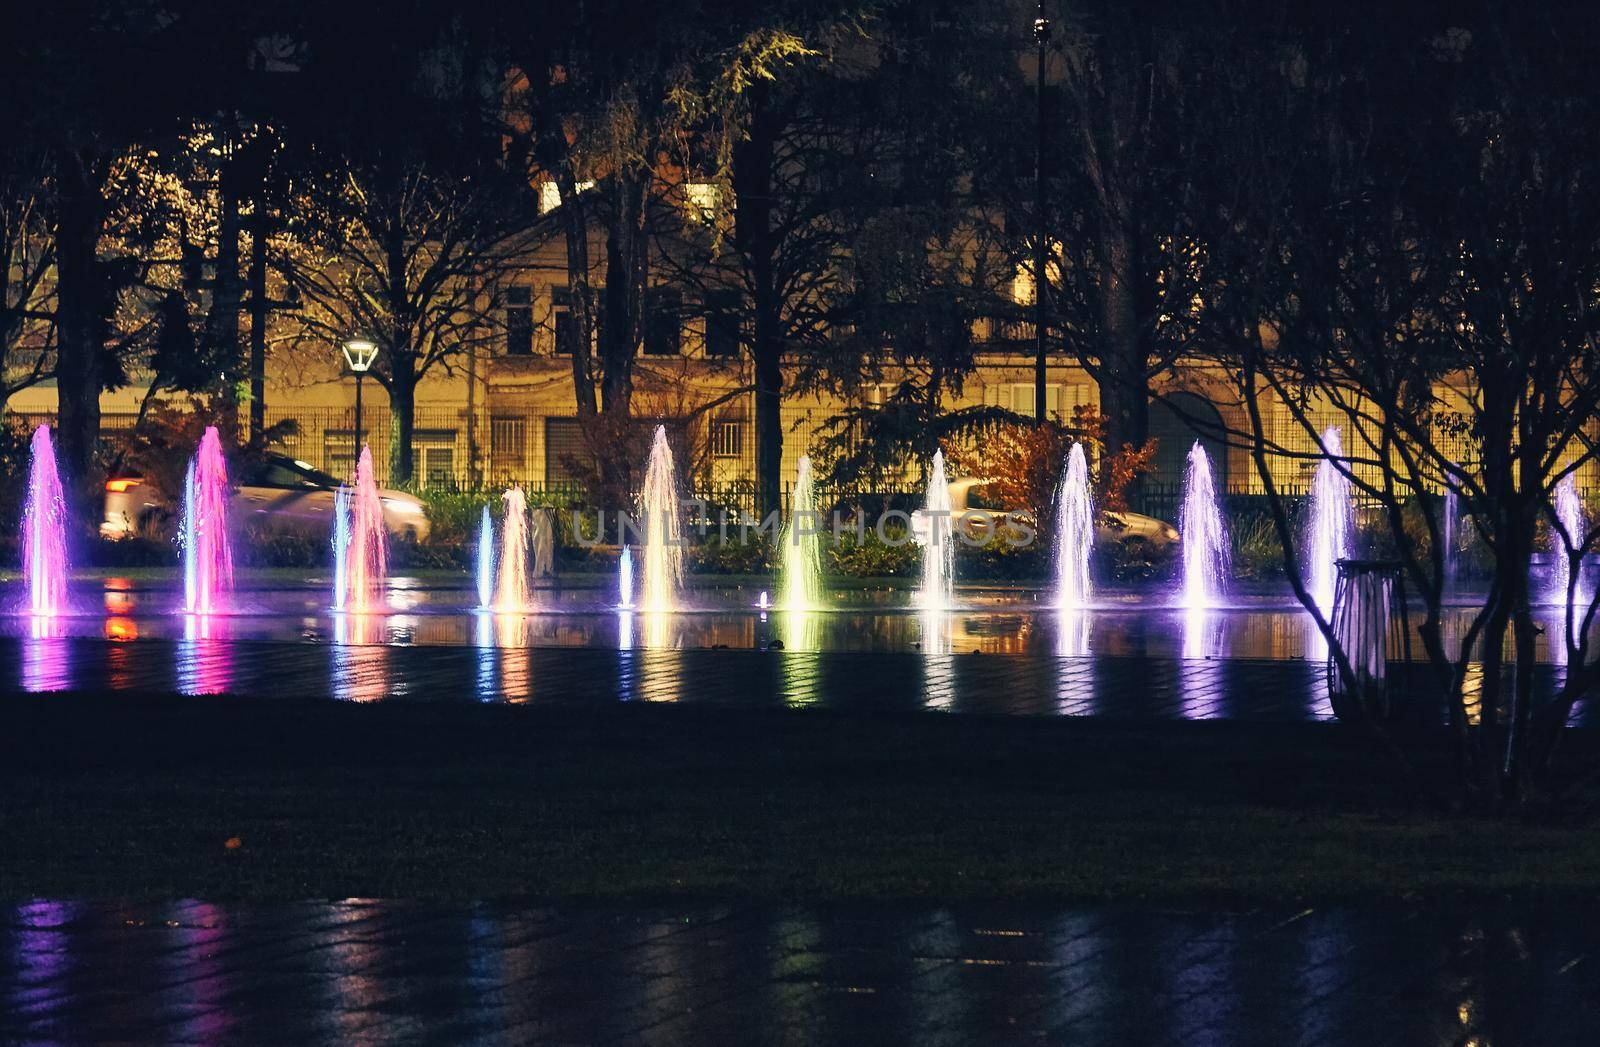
359	354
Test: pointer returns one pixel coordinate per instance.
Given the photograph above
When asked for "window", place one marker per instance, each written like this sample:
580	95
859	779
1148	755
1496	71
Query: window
663	333
550	194
561	318
881	393
434	459
727	438
1022	400
508	447
566	452
519	321
277	475
702	200
722	324
339	451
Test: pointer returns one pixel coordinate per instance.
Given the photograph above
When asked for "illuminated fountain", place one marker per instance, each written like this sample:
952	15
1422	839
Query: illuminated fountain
361	557
1204	535
801	548
625	579
1328	533
1450	538
933	531
1074	534
663	547
207	558
44	530
511	581
485	566
1564	590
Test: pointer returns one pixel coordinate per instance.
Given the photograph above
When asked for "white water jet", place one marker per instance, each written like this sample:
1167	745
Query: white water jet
663	530
1565	591
801	547
933	531
1204	535
341	547
1074	533
511	594
625	579
1449	537
1328	531
485	565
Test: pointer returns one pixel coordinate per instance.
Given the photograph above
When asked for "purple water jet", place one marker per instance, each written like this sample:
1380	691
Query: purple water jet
1074	534
44	530
1205	535
1565	591
207	556
1328	533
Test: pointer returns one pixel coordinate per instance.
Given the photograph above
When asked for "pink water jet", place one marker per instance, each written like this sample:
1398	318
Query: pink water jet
512	593
207	556
363	562
44	530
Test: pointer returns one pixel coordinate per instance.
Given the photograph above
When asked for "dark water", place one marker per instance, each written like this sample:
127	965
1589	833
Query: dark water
377	971
990	621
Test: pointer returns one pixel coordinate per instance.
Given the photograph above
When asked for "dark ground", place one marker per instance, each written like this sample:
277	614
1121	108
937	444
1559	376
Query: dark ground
138	796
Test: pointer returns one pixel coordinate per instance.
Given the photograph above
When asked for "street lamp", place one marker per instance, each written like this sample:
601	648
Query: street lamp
1041	37
359	354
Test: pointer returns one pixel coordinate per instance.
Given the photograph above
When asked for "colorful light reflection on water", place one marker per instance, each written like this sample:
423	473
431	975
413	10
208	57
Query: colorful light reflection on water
205	656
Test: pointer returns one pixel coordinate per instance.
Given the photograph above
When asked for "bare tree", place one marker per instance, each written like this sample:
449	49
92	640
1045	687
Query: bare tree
27	308
1414	251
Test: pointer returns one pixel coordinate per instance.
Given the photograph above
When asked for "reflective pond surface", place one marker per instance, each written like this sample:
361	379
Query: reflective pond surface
1491	975
1001	622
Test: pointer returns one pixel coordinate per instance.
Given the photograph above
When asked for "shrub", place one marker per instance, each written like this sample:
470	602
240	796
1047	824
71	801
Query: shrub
1000	560
754	556
873	558
1257	552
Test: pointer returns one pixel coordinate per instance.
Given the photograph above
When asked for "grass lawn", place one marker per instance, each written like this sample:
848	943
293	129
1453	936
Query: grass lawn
138	797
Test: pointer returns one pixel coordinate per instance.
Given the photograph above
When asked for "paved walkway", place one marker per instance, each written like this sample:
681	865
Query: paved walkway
397	972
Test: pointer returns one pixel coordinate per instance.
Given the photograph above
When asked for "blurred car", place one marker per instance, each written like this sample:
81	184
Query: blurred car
974	504
277	492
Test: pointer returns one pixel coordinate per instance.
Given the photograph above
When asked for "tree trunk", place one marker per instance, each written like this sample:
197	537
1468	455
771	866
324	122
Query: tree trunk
627	274
80	317
768	422
580	299
753	161
227	296
1124	398
258	325
402	387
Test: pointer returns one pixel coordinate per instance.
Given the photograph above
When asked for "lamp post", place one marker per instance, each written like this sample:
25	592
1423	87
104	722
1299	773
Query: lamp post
1041	36
359	354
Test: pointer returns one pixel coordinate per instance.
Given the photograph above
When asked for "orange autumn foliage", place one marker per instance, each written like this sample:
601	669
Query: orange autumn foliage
1023	463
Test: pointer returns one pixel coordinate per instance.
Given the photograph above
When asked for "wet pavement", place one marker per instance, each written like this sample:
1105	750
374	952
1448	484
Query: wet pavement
359	971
